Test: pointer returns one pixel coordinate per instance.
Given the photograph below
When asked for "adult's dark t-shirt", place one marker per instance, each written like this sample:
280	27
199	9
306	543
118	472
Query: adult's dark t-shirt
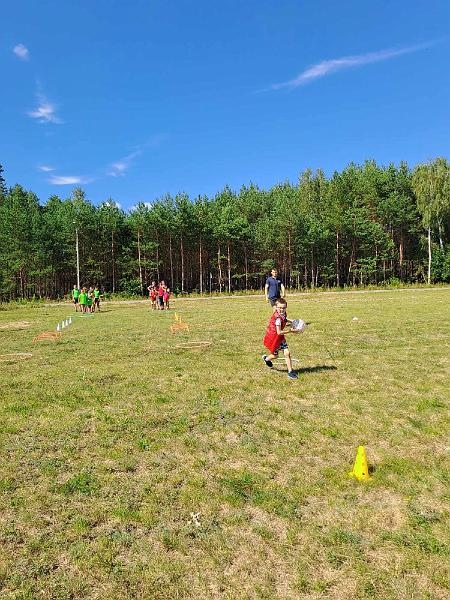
274	290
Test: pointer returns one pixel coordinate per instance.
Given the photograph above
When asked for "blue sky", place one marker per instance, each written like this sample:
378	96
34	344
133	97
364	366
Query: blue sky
133	100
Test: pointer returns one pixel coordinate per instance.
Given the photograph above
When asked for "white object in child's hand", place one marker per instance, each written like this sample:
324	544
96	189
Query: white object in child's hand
298	326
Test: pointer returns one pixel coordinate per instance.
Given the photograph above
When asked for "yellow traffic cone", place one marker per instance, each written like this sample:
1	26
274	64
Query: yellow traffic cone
360	468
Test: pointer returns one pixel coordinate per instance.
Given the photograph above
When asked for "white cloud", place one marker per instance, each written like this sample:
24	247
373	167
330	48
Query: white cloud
45	112
327	67
112	204
119	168
67	180
45	168
148	205
21	51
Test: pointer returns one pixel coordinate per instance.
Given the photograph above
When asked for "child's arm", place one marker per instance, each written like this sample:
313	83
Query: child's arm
282	331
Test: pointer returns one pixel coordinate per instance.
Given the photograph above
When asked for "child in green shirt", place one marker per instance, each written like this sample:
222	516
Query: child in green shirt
75	297
83	300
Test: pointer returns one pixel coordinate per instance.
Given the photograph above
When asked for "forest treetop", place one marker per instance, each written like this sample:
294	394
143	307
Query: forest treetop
367	224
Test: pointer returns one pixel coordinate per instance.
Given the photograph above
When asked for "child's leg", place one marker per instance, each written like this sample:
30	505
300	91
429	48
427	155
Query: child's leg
287	356
267	358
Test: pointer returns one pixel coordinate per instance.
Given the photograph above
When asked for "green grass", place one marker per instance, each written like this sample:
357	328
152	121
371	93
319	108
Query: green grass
112	438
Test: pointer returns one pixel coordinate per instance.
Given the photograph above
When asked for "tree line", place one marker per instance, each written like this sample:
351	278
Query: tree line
366	225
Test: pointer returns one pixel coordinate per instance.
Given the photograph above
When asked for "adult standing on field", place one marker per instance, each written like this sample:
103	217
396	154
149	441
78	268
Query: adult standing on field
274	288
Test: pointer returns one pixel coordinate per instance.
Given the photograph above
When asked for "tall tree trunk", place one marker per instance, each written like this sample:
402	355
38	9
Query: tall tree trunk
112	257
229	268
246	268
157	260
338	278
144	260
200	265
350	266
401	251
22	286
171	261
139	261
219	265
441	241
429	255
182	263
289	260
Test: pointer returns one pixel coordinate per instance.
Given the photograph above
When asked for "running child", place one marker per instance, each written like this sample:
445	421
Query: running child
274	339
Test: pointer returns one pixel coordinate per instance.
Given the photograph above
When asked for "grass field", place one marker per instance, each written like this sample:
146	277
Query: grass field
130	468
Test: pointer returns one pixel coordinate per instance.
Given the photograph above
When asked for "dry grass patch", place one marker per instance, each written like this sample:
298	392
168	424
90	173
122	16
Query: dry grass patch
113	438
15	325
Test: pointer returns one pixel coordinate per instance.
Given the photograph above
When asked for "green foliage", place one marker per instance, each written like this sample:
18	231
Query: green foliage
366	225
440	266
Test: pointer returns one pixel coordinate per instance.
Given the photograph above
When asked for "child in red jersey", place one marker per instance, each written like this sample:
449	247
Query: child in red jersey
152	294
166	298
274	339
162	287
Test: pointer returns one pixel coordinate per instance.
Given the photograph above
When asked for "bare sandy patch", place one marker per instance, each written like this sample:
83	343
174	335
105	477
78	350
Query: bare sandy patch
15	325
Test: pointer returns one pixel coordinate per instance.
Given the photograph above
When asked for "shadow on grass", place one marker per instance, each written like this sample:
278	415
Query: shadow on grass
317	369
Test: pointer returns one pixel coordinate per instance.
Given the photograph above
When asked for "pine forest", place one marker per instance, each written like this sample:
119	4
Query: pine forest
367	225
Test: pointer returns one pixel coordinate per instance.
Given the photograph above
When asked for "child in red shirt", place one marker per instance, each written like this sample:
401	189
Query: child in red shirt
166	298
162	287
152	294
274	339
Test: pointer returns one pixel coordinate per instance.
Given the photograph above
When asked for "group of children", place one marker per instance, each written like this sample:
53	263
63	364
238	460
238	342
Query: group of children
87	299
274	339
159	295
